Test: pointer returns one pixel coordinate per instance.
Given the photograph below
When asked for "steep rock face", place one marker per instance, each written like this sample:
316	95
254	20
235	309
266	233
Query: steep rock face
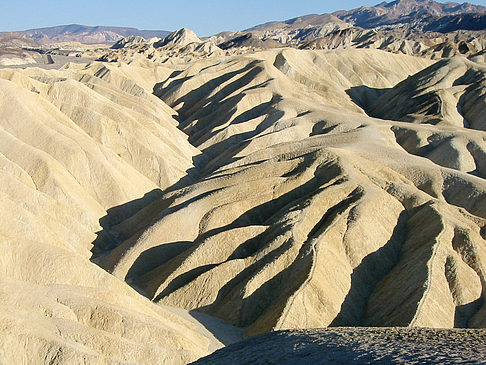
307	212
181	38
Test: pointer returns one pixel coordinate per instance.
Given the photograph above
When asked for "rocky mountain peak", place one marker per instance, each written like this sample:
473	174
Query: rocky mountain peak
181	38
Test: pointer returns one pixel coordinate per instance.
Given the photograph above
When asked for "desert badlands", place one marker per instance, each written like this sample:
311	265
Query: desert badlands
319	183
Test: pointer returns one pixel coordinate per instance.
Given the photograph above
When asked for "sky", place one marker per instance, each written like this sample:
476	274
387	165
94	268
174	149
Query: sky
205	17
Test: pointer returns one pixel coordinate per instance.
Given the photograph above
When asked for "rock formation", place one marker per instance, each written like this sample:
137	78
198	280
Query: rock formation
256	188
307	216
422	28
180	38
82	148
356	346
412	14
176	47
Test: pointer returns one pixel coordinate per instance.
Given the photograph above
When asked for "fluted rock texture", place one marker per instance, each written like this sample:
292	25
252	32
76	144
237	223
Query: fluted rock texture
280	189
75	144
310	213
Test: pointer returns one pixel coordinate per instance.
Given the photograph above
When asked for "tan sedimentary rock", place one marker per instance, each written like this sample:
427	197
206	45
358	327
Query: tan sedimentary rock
75	145
310	213
256	188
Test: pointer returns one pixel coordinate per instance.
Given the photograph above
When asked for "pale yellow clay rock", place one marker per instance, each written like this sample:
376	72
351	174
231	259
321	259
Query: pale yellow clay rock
282	189
308	212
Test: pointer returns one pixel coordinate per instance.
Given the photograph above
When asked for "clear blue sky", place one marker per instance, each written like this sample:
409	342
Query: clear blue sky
205	17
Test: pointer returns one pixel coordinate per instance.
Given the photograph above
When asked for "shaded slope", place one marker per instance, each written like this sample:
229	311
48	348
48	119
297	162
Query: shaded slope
249	40
357	346
447	93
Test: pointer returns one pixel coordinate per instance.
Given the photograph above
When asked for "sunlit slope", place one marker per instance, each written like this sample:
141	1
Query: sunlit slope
276	190
76	144
309	213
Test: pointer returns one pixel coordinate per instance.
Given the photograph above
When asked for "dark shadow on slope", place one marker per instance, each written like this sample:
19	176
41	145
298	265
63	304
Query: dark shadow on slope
248	248
479	156
465	312
112	234
258	215
270	299
224	333
158	213
396	105
274	292
272	296
372	269
364	96
222	116
470	100
213	111
193	174
462	245
185	278
410	141
231	290
321	128
106	239
197	98
157	256
224	152
393	303
216	110
263	214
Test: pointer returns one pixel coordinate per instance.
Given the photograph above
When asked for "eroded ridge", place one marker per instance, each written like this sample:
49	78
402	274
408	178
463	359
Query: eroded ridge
307	212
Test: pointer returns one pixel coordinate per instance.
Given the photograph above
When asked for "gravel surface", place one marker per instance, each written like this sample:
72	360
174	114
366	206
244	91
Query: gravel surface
357	346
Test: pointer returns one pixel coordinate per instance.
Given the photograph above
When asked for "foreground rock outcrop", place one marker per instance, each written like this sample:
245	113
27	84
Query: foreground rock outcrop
357	346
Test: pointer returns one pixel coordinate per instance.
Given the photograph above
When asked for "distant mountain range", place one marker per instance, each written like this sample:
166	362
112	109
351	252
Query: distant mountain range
88	34
417	15
418	27
403	15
